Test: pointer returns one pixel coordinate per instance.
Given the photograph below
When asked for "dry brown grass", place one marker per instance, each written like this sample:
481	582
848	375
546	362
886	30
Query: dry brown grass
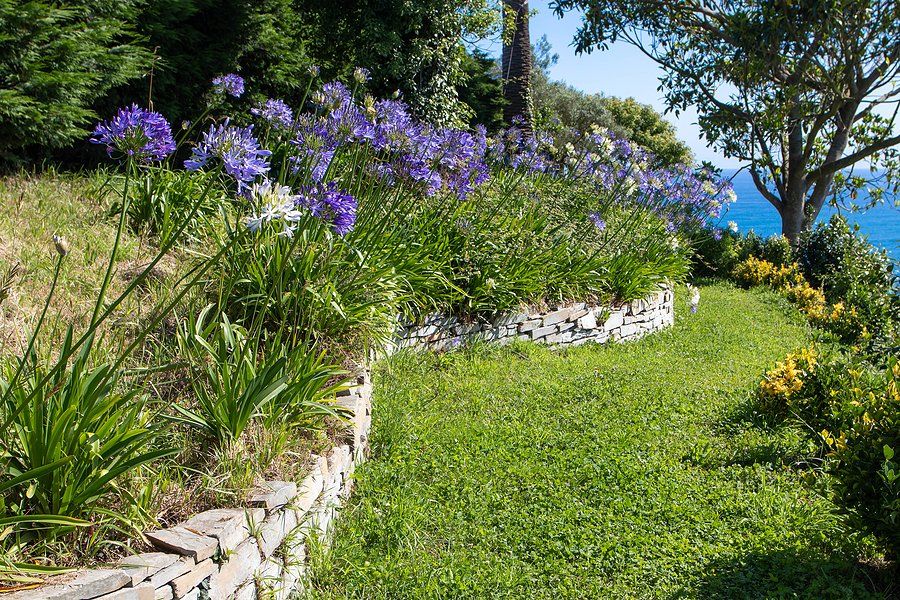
34	208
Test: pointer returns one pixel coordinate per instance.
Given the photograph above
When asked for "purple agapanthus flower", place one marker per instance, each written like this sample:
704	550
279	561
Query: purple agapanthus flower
276	112
138	133
331	204
237	148
231	84
597	220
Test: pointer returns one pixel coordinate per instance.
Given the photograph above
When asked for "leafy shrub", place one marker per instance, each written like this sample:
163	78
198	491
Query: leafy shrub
158	203
838	318
855	407
849	270
778	391
754	271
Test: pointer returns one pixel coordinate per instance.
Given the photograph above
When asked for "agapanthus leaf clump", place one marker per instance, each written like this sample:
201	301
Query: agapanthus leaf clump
236	148
138	133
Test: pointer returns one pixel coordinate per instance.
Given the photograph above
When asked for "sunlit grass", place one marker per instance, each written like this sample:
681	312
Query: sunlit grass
624	471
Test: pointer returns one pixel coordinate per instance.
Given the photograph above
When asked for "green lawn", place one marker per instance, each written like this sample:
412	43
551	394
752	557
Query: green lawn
601	472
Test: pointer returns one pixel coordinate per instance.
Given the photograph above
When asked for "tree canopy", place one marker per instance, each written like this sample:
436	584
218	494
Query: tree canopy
801	91
558	106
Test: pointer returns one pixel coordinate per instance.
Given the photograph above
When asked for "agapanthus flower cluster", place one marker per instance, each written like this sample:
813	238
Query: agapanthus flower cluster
273	203
332	205
516	149
141	134
231	84
437	158
237	149
597	220
276	112
680	195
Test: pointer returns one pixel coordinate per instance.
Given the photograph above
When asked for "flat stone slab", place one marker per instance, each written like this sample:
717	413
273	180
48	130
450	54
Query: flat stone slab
185	542
141	566
184	585
81	585
230	526
274	494
557	316
163	577
236	571
309	491
132	593
274	530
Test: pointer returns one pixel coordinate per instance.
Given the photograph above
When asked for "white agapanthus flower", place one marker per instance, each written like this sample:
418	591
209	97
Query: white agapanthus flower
732	227
695	297
276	203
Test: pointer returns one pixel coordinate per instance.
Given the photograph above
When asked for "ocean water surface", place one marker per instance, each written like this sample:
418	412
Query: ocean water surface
751	211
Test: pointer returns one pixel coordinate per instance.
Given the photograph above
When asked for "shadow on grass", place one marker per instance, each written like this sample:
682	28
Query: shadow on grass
795	574
744	437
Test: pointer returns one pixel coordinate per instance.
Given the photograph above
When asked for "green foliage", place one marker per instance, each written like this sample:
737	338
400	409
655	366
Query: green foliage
625	471
238	378
481	89
853	409
849	269
55	60
197	40
411	47
158	203
558	106
641	124
833	258
71	423
229	385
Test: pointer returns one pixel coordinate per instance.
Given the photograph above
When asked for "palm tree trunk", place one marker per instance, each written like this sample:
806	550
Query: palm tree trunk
516	63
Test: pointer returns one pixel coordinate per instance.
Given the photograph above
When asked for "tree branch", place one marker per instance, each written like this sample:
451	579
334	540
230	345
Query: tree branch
767	194
834	166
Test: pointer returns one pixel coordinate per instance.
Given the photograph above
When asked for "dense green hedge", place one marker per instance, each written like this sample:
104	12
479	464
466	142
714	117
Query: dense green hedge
55	61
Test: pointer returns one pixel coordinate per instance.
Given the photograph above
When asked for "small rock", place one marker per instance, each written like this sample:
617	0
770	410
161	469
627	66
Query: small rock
557	316
81	585
185	584
141	566
230	526
163	577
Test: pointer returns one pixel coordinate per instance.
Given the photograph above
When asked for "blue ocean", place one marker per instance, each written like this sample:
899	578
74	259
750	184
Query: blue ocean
880	224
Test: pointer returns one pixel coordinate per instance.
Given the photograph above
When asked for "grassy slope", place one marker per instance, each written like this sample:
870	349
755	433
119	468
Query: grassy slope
32	210
628	471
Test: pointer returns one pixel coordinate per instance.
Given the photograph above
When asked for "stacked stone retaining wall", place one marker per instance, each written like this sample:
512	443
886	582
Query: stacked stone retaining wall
258	551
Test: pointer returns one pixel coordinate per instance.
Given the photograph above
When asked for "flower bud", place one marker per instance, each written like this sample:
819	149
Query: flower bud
360	75
62	245
313	70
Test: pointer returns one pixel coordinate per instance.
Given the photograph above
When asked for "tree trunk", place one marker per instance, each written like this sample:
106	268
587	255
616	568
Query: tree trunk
516	64
793	215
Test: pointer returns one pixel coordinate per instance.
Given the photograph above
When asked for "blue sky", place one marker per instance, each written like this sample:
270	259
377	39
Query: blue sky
620	71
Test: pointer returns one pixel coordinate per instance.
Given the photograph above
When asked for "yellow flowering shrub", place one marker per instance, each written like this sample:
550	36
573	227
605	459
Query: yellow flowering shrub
854	406
788	281
755	271
782	382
